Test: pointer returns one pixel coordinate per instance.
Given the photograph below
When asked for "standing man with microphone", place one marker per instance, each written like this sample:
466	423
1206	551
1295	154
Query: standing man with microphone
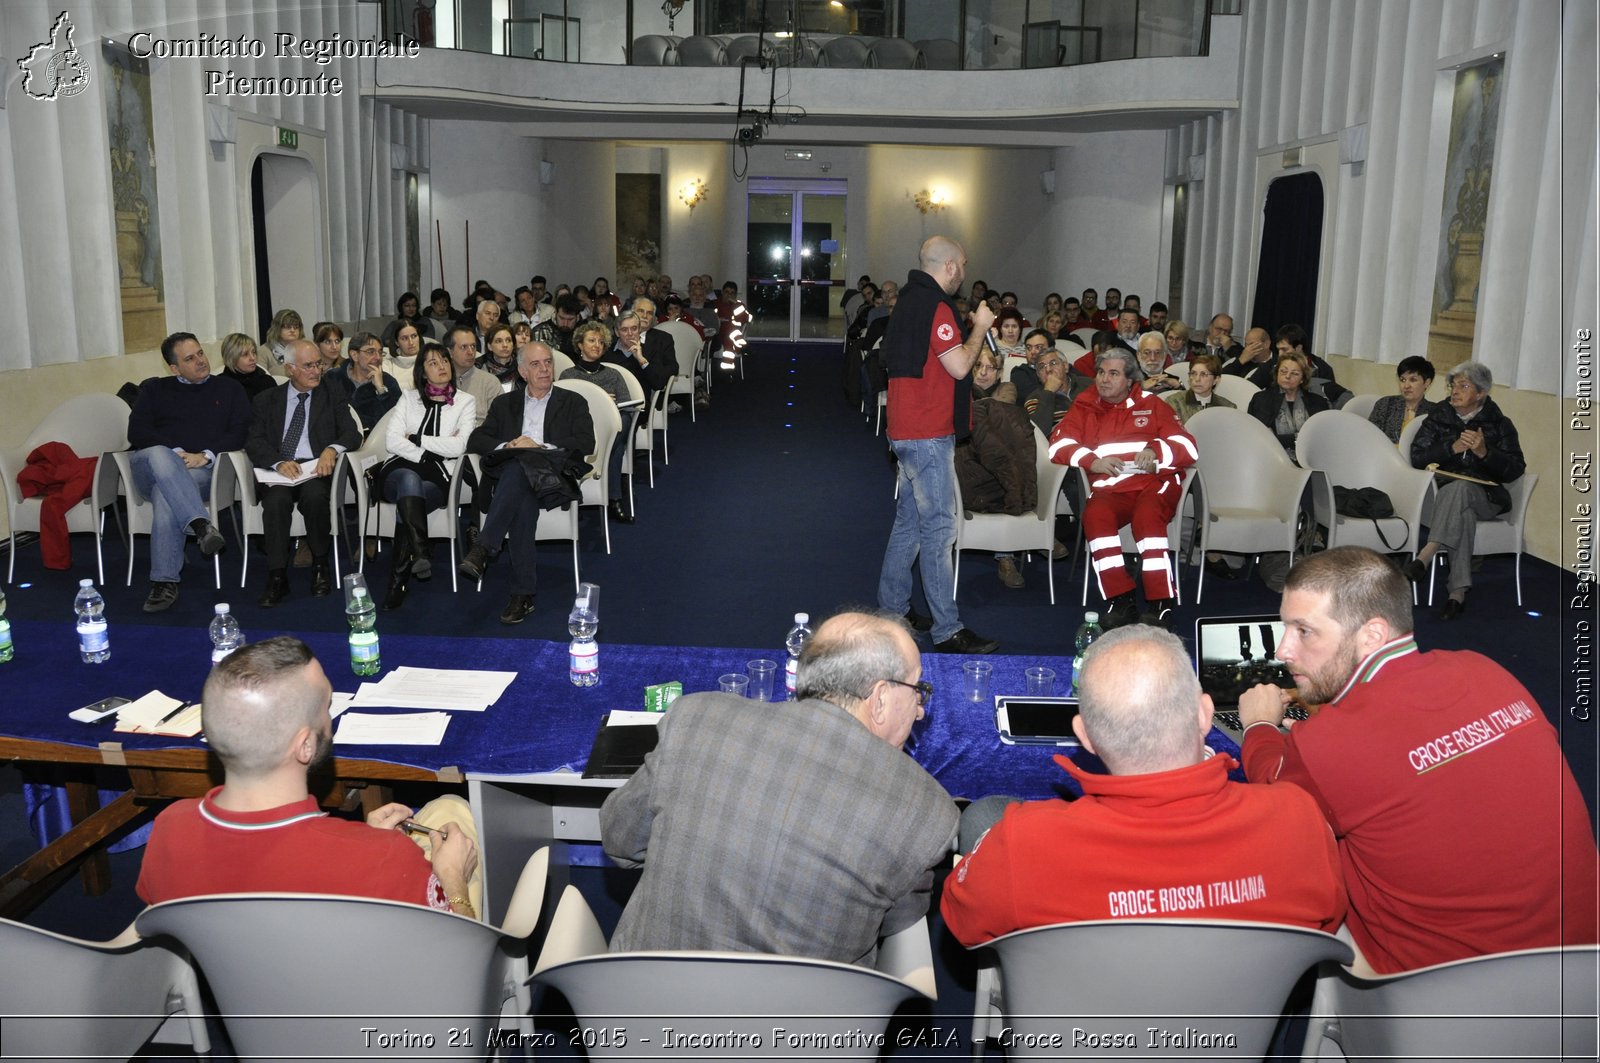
930	390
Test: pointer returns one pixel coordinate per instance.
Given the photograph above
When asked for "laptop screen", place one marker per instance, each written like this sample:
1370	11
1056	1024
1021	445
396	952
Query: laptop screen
1235	653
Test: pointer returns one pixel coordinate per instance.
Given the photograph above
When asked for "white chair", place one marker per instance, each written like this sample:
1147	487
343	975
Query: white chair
1361	405
1345	450
1005	532
91	425
735	997
686	346
560	362
655	49
1190	490
1084	336
554	524
908	956
702	50
940	53
65	998
895	53
596	487
1408	435
1252	489
140	518
1181	371
1011	362
1500	535
1205	982
257	952
844	52
883	407
1236	389
1533	1004
639	431
234	483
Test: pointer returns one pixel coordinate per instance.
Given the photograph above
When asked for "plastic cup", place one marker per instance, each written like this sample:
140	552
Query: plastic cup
762	672
977	675
733	683
1041	681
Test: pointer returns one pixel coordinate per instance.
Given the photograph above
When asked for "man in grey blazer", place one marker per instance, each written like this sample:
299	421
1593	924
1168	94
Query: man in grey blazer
801	828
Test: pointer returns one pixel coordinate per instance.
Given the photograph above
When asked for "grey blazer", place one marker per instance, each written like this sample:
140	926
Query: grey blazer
786	828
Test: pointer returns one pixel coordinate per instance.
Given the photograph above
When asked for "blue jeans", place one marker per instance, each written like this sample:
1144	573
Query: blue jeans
177	495
407	483
925	525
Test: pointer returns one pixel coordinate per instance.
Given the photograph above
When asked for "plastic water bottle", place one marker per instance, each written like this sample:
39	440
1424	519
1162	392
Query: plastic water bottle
225	634
94	641
583	655
6	649
796	640
1088	631
363	617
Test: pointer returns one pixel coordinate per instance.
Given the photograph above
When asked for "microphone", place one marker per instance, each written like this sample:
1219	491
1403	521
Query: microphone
988	341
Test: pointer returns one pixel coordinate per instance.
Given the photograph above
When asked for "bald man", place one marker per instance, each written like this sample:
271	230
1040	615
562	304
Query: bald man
1255	361
801	829
1164	835
930	391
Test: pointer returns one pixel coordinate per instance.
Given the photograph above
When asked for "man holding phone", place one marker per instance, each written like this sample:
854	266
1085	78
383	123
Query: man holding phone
1164	835
266	716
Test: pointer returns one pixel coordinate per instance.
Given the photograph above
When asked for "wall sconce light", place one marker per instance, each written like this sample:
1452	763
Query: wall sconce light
693	193
933	202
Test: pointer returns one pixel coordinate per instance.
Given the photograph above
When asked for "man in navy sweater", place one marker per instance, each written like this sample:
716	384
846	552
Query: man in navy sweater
179	426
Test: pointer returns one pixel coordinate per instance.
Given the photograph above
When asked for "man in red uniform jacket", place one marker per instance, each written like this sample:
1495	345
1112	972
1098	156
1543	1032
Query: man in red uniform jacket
1461	830
1133	448
1165	836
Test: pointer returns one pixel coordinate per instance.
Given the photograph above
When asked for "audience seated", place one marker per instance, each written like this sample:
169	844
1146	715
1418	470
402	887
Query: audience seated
426	438
266	715
439	315
407	311
1218	340
372	392
995	465
594	341
533	442
1133	449
1461	830
1153	361
240	361
1393	412
1007	332
1164	835
499	358
400	360
179	427
286	328
291	437
1059	387
1177	335
1467	436
802	831
462	346
1200	394
556	333
1255	360
1286	407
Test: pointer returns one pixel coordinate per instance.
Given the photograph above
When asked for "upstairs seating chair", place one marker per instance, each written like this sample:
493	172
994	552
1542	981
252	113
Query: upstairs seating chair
66	998
92	425
895	53
702	50
596	487
257	952
1344	450
1252	489
940	53
748	46
1214	988
845	52
655	49
1031	530
1533	1004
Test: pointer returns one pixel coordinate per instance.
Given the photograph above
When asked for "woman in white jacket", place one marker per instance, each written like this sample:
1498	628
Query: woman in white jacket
427	437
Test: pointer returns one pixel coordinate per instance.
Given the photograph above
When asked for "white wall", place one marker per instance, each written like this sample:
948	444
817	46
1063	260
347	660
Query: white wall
486	191
1104	222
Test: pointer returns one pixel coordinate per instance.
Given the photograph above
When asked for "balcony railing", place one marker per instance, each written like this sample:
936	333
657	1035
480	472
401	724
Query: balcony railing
888	34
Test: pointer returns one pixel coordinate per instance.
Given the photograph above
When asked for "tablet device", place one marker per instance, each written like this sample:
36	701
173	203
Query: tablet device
1035	721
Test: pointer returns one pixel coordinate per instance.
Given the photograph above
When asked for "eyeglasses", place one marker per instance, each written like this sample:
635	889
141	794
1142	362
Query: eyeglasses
307	367
923	688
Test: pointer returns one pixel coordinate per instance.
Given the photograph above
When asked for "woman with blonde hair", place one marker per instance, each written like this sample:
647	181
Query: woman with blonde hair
287	326
239	363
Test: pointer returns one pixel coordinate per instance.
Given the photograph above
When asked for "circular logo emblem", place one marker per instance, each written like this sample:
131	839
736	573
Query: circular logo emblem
946	331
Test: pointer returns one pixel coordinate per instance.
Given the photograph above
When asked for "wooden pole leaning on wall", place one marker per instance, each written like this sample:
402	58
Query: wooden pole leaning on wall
438	245
467	284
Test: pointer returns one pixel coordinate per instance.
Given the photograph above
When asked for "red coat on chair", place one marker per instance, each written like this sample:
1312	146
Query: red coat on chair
65	479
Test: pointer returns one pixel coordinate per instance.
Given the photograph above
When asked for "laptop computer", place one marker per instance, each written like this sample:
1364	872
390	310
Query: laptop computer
1233	654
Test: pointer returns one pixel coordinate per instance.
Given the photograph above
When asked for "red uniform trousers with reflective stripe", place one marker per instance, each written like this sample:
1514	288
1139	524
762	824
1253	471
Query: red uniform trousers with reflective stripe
1149	512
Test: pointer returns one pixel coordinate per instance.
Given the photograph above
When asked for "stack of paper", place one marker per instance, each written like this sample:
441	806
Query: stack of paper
404	729
157	714
459	690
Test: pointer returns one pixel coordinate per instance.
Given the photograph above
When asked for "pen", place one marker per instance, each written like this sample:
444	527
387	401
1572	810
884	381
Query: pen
412	824
169	717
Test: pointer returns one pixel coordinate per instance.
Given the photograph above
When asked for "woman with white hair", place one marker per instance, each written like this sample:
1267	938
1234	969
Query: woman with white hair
1473	448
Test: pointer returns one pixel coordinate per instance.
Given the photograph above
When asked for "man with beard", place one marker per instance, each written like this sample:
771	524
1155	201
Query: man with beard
266	714
1461	830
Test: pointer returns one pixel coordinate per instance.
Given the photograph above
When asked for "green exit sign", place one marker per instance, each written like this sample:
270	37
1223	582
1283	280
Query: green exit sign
288	138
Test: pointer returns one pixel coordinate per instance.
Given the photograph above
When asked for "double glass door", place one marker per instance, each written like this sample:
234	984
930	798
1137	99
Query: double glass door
795	244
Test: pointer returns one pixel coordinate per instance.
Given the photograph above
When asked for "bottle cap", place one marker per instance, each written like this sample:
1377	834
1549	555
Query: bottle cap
86	583
802	618
1091	618
222	607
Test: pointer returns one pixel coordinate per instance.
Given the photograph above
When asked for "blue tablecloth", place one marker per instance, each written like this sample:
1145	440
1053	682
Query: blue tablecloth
542	723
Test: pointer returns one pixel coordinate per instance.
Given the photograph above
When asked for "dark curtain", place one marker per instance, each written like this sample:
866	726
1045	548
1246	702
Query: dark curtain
1291	245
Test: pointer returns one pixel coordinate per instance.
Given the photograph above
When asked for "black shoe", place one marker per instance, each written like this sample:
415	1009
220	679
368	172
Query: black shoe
321	578
474	563
397	590
413	517
1217	568
277	589
918	621
1416	571
162	594
966	641
1123	611
206	534
1160	614
1453	607
619	512
517	609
